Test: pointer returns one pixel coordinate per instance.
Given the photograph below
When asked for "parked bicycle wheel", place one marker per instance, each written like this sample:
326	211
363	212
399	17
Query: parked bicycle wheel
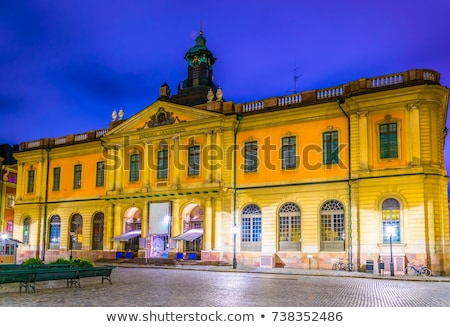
412	272
335	266
426	271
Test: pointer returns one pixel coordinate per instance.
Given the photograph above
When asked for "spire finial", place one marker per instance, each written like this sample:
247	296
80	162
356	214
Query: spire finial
201	28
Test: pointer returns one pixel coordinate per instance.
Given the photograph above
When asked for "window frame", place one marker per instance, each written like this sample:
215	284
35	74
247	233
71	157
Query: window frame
135	167
389	148
77	175
389	211
332	219
100	174
56	179
194	160
251	160
289	227
162	171
330	147
289	152
30	180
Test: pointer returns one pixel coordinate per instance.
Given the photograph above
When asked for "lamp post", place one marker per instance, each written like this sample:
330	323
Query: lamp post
234	230
390	231
71	245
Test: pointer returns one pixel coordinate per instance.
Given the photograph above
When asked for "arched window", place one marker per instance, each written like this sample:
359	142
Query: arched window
26	231
332	226
76	231
251	228
289	227
97	232
390	211
55	232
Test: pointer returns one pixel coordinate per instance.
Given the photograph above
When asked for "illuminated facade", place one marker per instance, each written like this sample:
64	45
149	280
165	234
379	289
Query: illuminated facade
8	178
307	178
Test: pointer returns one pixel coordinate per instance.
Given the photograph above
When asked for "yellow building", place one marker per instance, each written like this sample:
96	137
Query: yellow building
353	171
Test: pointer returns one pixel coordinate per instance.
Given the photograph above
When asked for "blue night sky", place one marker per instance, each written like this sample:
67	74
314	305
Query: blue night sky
65	65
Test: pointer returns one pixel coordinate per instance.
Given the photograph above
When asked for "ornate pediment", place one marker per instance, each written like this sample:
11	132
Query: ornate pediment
160	118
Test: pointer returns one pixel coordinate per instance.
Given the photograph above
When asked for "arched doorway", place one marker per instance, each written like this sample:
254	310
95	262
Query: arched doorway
191	240
132	223
129	240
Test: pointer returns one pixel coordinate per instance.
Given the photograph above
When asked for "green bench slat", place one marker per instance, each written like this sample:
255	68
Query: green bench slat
28	277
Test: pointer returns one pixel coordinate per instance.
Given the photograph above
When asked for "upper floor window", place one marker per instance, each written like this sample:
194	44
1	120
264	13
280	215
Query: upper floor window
163	164
30	185
77	176
330	148
388	141
251	156
100	174
56	178
135	167
289	151
194	160
391	220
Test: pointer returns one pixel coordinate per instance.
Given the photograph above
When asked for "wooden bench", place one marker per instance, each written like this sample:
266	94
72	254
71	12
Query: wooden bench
27	278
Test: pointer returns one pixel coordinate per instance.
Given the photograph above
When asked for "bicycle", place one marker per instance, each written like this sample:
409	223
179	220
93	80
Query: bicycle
418	270
340	265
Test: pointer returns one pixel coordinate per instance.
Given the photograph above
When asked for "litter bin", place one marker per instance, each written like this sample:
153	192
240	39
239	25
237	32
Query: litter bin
129	255
118	255
179	255
192	256
380	267
369	266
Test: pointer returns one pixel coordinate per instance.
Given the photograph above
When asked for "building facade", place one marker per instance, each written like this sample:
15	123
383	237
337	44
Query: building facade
354	171
8	171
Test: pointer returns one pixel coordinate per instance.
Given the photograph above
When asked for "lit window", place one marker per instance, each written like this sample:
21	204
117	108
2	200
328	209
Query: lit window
330	148
388	141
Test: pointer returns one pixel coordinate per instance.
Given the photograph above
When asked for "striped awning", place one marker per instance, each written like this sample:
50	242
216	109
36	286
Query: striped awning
126	236
190	235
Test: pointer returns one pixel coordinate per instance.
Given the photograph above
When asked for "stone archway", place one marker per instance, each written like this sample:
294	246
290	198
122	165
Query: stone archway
192	236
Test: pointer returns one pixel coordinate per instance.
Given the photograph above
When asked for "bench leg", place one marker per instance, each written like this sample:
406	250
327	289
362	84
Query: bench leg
108	278
28	286
73	281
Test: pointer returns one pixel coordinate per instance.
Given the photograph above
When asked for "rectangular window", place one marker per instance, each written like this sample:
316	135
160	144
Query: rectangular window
30	185
251	156
289	151
135	167
163	164
194	160
100	174
388	141
77	176
330	148
56	178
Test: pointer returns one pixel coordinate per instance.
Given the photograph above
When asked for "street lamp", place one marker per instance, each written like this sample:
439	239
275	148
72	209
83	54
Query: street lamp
390	230
71	245
234	230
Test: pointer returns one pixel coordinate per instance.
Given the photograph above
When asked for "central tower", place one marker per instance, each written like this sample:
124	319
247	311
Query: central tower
194	89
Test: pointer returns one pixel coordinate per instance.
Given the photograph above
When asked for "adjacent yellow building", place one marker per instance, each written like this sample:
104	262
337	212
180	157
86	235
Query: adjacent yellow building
351	171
